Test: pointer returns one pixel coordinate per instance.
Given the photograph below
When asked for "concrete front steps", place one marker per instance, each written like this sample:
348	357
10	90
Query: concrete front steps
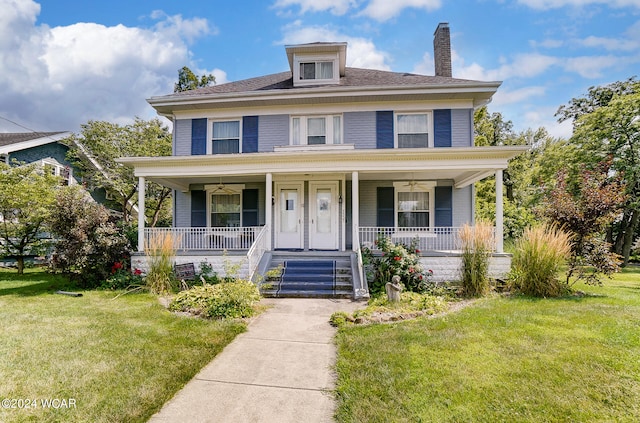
309	275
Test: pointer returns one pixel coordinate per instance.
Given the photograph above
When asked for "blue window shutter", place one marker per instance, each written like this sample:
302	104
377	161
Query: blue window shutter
198	208
442	128
198	137
444	206
250	134
385	207
384	129
250	207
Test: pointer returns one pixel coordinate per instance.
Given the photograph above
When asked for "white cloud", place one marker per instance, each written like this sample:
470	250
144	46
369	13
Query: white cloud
361	53
590	66
557	4
383	10
629	42
548	43
523	66
337	7
426	66
57	78
519	95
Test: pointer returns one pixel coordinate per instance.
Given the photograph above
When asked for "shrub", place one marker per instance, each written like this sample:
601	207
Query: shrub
231	299
160	252
87	244
397	259
537	259
121	278
476	244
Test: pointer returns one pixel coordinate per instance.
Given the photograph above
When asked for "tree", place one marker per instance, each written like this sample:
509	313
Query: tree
606	126
584	209
98	146
88	244
491	129
187	80
26	196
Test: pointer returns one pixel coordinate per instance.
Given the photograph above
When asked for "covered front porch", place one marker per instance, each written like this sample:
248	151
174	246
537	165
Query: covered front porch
321	200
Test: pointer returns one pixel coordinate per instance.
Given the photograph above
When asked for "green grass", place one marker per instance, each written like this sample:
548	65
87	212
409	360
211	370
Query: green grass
119	359
502	359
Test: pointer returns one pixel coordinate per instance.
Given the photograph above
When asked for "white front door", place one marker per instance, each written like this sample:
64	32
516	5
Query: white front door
289	215
323	215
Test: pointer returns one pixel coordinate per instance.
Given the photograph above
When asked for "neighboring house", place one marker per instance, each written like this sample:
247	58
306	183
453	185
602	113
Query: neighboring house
316	162
43	148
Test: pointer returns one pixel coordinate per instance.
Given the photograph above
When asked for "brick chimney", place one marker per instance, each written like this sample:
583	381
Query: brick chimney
442	50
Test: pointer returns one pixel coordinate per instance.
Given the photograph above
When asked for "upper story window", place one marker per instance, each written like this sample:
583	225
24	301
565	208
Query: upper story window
314	130
225	137
412	130
316	70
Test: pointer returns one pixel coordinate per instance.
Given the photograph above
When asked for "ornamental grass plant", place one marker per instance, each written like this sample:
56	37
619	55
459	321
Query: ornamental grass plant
476	243
538	258
160	253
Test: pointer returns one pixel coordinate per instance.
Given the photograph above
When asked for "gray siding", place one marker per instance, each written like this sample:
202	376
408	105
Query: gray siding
360	129
182	209
182	139
462	206
273	131
461	127
182	204
462	202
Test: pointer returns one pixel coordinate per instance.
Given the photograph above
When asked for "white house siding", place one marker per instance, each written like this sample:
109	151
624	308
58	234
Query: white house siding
463	206
360	129
461	127
273	131
182	137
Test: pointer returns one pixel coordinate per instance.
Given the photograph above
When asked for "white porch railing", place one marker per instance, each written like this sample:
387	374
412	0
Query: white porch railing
362	290
257	250
216	239
426	239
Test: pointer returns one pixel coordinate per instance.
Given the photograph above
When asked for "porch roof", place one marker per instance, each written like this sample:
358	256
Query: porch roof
463	165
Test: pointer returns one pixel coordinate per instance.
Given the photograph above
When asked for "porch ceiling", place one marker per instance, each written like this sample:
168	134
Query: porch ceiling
462	165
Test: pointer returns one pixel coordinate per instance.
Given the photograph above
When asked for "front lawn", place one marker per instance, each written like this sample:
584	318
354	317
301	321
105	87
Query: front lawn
119	360
502	359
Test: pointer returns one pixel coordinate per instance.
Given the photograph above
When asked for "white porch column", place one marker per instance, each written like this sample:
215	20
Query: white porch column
355	209
268	208
499	213
141	195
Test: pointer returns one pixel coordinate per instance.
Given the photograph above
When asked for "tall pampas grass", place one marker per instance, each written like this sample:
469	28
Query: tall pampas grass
476	243
160	254
538	258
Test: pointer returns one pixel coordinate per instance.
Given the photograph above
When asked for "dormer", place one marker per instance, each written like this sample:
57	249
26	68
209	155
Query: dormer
317	63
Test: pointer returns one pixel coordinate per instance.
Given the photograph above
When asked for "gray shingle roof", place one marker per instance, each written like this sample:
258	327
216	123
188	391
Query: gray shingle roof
9	138
354	77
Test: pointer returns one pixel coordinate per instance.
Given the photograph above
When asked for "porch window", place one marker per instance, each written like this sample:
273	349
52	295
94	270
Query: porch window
413	209
225	210
315	130
226	137
413	130
414	204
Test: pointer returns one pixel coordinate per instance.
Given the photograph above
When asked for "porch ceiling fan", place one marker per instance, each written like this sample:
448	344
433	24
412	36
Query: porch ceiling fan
413	185
222	188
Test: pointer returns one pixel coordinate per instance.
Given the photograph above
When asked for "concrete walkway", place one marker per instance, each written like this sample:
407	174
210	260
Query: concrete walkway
280	370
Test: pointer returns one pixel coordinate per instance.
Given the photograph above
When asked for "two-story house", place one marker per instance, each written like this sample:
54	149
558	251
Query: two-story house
318	161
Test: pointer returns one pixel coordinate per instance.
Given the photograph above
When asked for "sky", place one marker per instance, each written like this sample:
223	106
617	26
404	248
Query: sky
66	62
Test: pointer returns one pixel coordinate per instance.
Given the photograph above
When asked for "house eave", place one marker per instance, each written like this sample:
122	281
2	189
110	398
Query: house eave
479	92
464	165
